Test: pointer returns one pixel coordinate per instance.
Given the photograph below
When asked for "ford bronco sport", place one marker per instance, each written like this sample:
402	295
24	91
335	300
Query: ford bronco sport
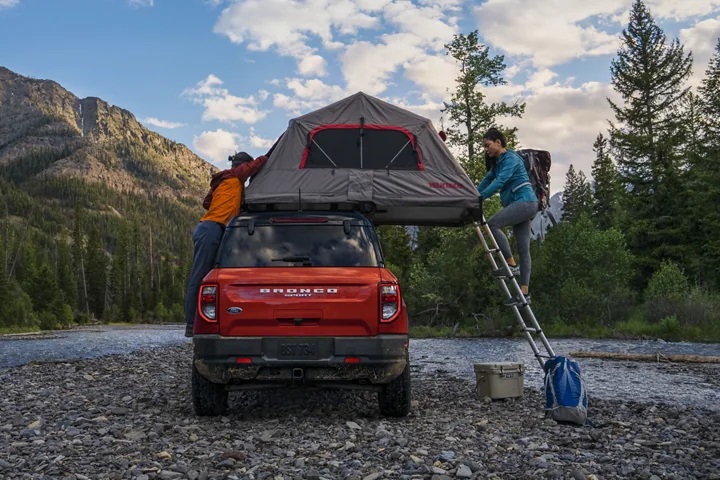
300	298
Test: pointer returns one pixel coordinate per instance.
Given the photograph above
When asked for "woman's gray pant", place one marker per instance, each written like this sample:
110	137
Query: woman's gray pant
518	215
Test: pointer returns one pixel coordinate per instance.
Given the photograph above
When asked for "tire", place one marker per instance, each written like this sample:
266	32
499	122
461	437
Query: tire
394	398
209	399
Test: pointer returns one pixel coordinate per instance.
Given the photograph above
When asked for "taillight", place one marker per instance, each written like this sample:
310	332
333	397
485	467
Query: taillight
208	302
389	302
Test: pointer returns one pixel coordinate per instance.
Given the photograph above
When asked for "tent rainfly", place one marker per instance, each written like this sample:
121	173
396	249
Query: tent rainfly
362	153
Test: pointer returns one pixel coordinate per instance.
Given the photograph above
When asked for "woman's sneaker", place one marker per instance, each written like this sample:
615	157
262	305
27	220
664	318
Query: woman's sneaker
502	272
518	300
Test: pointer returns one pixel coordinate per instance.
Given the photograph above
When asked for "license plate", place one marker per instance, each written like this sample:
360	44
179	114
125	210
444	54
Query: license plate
298	350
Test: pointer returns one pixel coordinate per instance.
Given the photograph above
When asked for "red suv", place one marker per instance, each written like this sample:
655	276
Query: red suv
300	298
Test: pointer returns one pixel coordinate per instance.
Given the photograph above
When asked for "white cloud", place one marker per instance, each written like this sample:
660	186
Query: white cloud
418	34
566	120
684	10
257	141
8	3
367	67
287	25
312	66
222	106
315	89
549	35
435	74
141	3
217	145
701	39
552	34
156	122
230	108
307	95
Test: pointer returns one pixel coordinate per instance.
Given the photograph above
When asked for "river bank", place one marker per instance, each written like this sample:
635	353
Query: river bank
130	416
630	330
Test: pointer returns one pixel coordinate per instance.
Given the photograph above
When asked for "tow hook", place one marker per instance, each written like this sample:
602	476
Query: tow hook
297	375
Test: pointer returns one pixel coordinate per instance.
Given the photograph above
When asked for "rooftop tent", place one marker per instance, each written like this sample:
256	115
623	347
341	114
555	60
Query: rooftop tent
362	153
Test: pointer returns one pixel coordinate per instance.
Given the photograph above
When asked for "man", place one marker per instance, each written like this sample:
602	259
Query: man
506	173
222	203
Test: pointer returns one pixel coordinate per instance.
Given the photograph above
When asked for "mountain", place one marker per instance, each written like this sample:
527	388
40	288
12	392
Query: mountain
96	210
93	141
543	221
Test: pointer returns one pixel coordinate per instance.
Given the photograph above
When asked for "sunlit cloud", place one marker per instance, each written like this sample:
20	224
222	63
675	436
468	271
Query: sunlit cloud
156	122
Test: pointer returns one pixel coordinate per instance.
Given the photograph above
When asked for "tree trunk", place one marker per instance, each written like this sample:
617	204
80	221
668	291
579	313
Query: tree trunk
653	357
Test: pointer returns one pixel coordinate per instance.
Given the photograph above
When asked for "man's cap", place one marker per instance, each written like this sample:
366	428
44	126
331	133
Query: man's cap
239	158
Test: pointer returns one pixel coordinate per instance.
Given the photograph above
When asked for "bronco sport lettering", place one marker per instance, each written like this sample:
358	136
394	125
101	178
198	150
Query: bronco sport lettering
299	290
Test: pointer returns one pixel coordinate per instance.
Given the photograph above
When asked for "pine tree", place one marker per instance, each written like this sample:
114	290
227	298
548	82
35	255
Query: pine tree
705	174
577	196
120	279
96	273
468	109
65	272
650	76
395	243
78	252
605	186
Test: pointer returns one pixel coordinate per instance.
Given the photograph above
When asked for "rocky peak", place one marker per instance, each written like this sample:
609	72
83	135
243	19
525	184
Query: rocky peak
93	140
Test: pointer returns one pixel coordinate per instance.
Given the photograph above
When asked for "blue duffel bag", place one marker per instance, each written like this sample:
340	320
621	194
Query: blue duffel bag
565	394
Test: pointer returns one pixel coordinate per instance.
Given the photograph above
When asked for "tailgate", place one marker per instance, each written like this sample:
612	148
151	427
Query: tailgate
298	301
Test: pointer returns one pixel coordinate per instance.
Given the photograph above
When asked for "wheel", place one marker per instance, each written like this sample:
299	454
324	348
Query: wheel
209	399
394	398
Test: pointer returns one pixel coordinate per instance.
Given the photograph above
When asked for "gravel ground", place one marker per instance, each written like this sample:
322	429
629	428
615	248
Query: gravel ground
130	416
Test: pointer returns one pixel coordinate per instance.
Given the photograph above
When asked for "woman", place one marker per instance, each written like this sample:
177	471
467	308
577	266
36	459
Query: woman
507	174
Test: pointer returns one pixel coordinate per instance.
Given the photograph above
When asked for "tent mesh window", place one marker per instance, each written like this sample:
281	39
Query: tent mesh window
368	147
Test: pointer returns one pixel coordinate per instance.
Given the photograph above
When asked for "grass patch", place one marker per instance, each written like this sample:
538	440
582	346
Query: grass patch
668	329
18	329
566	330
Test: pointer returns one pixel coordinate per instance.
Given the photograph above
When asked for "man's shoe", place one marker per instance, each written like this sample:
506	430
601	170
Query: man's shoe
189	331
502	272
518	300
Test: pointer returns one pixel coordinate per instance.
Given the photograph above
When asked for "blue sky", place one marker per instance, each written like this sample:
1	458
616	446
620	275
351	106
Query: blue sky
226	75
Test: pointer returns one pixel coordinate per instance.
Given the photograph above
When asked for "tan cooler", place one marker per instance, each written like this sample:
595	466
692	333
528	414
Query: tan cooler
500	380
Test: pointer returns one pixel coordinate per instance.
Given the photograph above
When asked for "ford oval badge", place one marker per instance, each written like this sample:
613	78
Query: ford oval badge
234	310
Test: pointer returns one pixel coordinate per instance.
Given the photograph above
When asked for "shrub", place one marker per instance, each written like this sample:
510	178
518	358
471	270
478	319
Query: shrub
666	293
581	275
669	282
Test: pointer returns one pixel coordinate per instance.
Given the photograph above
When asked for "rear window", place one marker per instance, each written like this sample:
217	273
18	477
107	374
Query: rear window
326	245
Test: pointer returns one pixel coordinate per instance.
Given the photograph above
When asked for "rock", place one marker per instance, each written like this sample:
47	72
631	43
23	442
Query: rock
373	476
168	475
578	475
36	424
463	471
164	455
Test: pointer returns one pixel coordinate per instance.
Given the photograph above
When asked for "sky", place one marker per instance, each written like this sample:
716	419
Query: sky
226	75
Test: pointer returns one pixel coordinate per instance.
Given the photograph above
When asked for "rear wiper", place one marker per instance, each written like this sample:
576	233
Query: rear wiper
294	259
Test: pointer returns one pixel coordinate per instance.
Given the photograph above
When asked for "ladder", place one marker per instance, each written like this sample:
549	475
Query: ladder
523	313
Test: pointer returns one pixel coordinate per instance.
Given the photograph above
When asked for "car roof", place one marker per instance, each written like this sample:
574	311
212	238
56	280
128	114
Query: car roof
266	217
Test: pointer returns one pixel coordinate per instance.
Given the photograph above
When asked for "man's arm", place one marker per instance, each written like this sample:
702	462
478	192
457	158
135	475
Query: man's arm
248	169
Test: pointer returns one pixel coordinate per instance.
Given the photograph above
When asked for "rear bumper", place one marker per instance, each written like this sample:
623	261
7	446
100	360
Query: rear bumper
377	360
